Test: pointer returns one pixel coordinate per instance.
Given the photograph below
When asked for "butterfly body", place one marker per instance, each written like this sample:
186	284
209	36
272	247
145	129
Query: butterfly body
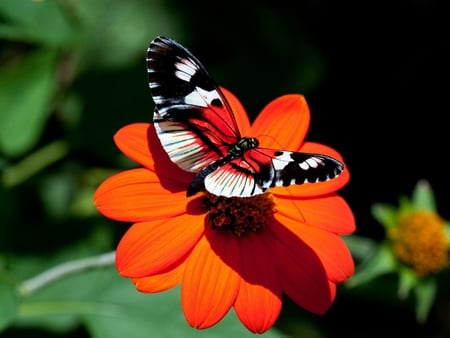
236	151
197	128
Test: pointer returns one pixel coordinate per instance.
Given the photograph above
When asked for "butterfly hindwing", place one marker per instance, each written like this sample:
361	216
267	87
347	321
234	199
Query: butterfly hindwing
290	168
260	169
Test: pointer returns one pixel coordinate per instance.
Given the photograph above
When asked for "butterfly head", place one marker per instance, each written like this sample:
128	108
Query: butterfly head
253	142
247	143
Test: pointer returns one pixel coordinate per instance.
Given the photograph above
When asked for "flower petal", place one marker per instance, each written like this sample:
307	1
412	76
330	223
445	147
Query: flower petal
149	248
286	120
316	189
304	278
162	281
329	212
259	300
330	248
136	195
134	141
210	285
239	111
139	142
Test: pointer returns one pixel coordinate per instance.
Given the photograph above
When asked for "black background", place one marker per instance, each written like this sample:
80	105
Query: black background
382	100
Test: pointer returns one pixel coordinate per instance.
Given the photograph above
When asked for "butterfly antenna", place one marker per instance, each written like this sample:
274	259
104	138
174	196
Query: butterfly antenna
272	139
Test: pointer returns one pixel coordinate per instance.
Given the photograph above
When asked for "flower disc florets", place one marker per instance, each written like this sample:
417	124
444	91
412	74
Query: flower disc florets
239	214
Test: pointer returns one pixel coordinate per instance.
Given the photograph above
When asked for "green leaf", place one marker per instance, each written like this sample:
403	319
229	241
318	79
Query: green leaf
447	229
361	247
108	305
33	163
425	292
82	205
35	21
407	281
423	197
56	192
405	205
380	263
114	36
385	214
26	90
158	315
8	304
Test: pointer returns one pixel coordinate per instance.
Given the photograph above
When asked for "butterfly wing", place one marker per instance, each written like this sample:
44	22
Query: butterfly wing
190	150
260	169
192	118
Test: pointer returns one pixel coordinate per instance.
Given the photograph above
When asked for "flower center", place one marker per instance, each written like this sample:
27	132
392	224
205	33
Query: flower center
419	241
239	214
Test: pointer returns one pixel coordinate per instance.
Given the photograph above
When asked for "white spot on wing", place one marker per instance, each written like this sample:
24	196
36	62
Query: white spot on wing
158	99
304	165
201	98
183	76
186	69
312	162
281	160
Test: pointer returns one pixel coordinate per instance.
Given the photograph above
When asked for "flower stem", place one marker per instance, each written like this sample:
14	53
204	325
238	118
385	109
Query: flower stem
33	163
28	287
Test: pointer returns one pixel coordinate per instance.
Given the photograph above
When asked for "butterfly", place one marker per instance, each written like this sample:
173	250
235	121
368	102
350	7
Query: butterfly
198	130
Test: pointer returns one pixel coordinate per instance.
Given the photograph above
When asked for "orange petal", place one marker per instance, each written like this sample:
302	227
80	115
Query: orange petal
332	288
239	111
139	142
330	248
283	123
134	141
210	284
149	248
329	212
303	276
160	282
258	303
137	195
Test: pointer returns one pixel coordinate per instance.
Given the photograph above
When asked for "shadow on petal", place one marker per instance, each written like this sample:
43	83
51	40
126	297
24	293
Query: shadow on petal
304	278
247	255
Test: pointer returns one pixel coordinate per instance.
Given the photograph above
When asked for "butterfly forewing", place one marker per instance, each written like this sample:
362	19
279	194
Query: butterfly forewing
184	93
197	129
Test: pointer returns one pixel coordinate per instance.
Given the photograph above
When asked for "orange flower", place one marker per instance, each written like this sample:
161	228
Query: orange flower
231	252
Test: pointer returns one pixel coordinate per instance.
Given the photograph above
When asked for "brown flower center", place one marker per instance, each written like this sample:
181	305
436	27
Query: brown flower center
239	214
419	241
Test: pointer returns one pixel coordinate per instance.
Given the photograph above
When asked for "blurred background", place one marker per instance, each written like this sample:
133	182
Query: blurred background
72	72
